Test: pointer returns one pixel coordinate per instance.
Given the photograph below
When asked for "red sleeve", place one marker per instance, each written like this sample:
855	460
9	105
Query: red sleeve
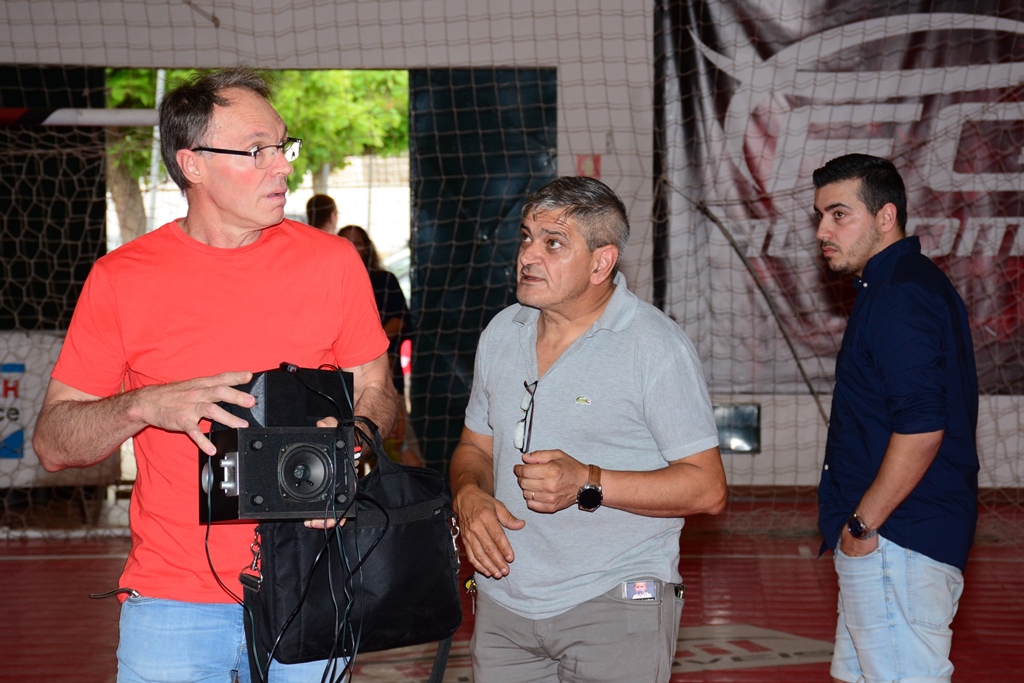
93	359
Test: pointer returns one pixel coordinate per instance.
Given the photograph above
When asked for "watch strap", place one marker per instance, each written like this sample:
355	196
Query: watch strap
590	496
859	528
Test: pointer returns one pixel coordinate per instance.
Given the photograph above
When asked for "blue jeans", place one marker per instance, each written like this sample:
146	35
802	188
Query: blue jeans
164	641
895	611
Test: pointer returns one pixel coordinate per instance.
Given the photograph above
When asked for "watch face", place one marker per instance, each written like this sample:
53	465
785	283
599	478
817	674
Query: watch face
855	527
858	529
589	498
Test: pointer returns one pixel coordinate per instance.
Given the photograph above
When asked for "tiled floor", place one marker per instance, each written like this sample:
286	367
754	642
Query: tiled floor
760	607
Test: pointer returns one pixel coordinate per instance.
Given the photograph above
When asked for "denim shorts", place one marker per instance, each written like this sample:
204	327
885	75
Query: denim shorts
164	641
895	610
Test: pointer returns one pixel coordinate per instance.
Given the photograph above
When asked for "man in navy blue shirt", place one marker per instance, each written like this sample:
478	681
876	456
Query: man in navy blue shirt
898	492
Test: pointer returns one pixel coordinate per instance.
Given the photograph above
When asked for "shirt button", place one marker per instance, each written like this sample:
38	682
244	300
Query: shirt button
826	467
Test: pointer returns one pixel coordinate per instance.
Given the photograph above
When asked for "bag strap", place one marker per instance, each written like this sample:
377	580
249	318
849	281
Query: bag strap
440	660
383	461
250	591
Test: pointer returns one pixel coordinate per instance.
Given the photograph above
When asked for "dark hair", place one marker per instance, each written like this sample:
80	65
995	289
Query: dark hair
880	182
319	209
598	212
373	258
186	111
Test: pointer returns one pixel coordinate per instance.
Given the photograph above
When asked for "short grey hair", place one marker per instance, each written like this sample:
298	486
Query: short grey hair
598	212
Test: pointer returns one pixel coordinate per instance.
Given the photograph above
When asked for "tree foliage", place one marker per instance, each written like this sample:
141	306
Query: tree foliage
130	148
339	114
336	113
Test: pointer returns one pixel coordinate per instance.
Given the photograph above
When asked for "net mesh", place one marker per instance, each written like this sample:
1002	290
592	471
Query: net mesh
756	100
706	118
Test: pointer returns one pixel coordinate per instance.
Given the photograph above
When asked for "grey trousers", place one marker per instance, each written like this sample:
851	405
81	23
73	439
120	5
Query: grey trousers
608	639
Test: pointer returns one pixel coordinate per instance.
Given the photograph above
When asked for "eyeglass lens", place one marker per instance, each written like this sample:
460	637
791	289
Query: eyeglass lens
265	156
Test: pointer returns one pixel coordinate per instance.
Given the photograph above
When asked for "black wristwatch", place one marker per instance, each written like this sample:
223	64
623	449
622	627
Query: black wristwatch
858	529
590	497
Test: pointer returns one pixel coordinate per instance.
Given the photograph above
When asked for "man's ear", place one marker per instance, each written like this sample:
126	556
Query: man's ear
603	262
189	164
887	218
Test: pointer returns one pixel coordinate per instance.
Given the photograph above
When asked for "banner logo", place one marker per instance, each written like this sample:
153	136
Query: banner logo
942	96
12	434
947	126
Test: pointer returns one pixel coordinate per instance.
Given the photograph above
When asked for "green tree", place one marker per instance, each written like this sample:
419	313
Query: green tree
129	150
339	114
336	113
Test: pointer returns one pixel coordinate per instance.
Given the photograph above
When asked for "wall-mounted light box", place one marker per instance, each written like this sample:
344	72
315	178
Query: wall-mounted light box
739	427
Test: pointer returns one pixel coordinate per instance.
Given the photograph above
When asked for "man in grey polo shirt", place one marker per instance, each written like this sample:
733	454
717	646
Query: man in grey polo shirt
589	436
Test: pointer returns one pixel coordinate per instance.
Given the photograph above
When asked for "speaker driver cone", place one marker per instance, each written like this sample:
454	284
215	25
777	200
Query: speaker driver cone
304	471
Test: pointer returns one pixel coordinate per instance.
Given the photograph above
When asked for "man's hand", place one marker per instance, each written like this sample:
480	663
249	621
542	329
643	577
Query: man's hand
322	522
853	547
482	521
550	480
482	517
180	406
76	429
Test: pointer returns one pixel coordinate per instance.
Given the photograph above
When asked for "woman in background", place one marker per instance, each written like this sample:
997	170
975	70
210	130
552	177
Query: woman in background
394	318
322	213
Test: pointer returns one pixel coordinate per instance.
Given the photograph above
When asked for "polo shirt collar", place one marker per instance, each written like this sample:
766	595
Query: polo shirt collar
616	316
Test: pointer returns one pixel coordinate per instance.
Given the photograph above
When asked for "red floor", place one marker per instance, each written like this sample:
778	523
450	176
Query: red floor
750	570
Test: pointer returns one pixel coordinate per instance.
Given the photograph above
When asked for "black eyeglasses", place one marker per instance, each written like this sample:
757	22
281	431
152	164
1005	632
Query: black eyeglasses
265	155
524	428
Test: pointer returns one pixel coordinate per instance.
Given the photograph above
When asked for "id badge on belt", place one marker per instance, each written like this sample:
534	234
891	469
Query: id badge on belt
649	589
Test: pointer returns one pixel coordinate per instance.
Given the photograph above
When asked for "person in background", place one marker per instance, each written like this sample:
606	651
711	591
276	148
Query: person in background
394	316
322	213
899	486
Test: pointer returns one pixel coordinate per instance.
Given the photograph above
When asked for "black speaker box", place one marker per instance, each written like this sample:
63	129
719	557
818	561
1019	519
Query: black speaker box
291	396
282	466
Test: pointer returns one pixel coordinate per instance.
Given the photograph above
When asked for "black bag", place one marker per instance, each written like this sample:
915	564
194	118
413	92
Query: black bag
387	579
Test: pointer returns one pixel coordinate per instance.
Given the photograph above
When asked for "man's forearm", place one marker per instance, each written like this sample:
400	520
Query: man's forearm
468	469
472	463
379	404
82	433
906	460
693	485
375	395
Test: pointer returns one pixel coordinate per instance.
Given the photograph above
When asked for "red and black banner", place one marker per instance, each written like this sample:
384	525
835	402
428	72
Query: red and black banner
752	98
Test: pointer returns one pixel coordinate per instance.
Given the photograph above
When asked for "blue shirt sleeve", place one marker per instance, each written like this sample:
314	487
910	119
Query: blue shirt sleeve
912	336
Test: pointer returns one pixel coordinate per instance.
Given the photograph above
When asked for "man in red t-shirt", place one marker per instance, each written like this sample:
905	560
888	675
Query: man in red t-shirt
166	326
